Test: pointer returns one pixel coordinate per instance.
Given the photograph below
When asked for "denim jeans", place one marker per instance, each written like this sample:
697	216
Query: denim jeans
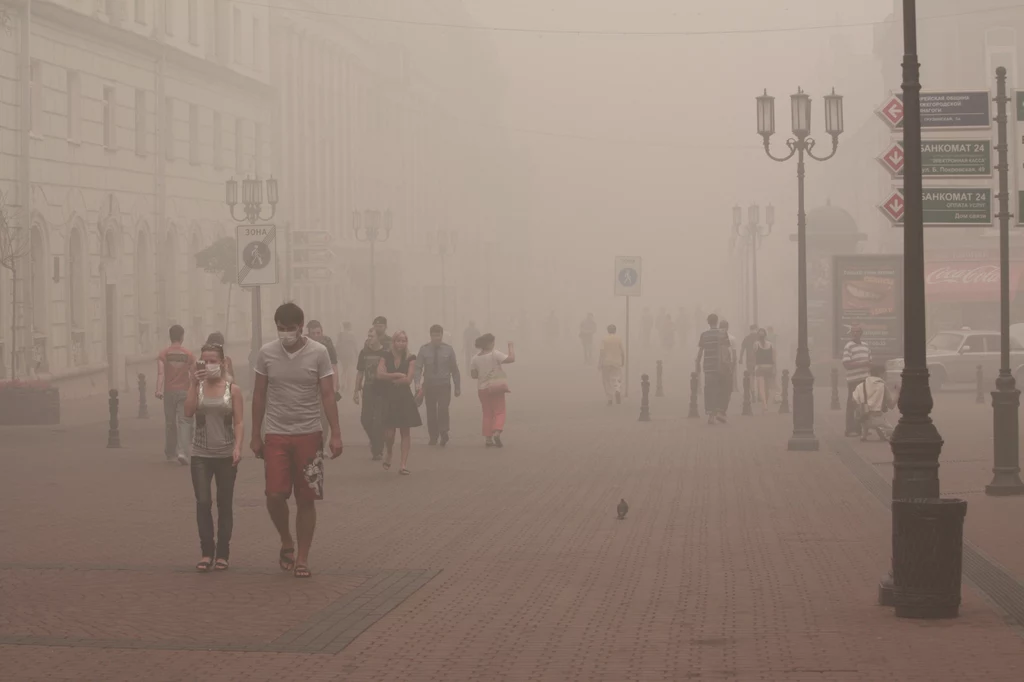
204	470
438	399
177	427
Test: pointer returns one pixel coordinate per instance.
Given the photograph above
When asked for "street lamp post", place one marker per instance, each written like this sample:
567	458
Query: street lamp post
755	232
252	213
799	145
372	227
444	244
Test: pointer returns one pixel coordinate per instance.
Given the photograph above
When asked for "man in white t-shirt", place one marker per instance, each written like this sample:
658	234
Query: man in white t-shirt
294	378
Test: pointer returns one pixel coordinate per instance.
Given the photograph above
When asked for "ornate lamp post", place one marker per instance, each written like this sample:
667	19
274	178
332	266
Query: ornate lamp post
799	145
755	232
372	227
443	243
252	211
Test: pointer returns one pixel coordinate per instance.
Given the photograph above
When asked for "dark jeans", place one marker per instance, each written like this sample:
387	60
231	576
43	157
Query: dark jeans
372	419
438	399
852	427
204	470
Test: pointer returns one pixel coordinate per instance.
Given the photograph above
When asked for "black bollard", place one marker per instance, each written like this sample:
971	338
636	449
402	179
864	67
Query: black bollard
747	411
835	390
784	407
658	392
143	407
980	398
694	386
645	409
113	436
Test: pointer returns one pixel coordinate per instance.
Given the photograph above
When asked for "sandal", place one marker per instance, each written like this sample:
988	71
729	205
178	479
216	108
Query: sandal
286	559
387	465
204	565
404	472
220	565
302	571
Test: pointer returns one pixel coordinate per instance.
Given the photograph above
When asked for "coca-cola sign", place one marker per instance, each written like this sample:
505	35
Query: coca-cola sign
962	274
966	281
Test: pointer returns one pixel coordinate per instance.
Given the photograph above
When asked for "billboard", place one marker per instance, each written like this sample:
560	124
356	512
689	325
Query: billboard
867	289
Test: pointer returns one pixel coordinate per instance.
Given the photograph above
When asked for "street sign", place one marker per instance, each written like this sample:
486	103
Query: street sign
942	110
627	275
257	255
945	207
312	256
311	273
310	239
944	158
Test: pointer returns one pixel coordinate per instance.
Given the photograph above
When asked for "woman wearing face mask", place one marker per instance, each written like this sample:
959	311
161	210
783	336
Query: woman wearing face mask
764	366
217	339
216	402
368	390
395	370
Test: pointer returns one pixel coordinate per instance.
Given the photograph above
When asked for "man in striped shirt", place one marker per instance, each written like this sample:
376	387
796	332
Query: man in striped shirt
857	362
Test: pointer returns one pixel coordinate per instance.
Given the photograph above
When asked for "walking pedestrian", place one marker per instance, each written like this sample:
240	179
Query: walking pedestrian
293	382
747	357
215	401
714	358
217	339
380	324
469	337
492	385
395	371
857	363
437	366
173	368
372	412
587	330
764	367
611	360
733	385
348	356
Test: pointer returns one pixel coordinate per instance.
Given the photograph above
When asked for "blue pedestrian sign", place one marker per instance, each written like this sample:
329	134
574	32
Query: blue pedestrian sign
627	275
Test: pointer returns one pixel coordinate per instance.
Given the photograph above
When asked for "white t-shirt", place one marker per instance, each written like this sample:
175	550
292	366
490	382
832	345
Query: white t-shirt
293	386
488	367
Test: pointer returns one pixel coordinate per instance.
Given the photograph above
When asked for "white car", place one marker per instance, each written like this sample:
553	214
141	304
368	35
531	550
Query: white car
953	358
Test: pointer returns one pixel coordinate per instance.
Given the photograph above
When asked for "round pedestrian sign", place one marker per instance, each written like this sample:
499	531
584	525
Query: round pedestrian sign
256	255
627	277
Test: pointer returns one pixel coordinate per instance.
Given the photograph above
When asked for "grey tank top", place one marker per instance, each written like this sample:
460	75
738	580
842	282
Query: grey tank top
215	424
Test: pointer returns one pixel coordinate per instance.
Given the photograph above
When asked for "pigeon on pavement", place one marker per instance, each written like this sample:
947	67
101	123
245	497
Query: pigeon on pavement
622	509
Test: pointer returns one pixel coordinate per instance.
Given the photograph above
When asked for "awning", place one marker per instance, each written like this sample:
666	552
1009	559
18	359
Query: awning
966	281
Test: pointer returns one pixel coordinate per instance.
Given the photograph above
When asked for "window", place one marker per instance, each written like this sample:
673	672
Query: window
193	134
236	26
169	17
239	145
220	29
74	107
140	11
193	21
169	128
993	343
36	96
974	344
257	154
141	128
109	117
218	141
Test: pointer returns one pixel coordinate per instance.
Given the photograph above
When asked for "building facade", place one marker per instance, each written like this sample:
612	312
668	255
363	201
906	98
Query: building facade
120	122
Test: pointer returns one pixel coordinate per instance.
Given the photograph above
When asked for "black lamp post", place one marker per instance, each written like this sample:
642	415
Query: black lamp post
755	232
799	145
372	227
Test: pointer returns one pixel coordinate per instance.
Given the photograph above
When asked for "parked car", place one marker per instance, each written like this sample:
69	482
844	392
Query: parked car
953	358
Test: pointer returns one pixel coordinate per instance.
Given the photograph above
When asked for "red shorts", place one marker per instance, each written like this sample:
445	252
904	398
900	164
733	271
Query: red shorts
295	461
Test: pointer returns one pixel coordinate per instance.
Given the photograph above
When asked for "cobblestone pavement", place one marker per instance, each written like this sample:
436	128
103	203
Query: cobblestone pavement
738	560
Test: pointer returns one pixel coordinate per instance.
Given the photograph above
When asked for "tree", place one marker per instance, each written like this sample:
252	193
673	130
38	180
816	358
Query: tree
219	258
14	245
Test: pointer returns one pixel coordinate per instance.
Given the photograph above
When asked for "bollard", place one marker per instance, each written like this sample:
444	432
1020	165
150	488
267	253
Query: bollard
927	557
784	407
143	407
658	392
645	387
980	398
113	436
694	386
747	411
835	390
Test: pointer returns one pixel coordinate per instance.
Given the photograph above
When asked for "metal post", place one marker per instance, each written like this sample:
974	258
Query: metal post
645	388
113	435
658	392
694	387
980	380
784	407
627	347
257	321
143	407
1006	397
747	411
803	437
836	405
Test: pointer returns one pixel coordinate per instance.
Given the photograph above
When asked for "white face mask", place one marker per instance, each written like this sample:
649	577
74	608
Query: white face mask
212	371
288	338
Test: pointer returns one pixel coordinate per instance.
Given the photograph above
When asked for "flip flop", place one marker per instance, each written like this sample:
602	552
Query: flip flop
404	472
220	565
204	565
302	571
286	559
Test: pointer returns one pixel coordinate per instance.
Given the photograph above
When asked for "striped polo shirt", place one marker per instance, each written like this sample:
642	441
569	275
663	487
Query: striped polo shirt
857	352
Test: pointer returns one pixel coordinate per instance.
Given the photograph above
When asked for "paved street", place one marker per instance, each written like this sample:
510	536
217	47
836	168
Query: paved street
738	560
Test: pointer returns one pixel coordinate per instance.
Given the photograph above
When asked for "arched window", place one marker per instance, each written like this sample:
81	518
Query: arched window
77	296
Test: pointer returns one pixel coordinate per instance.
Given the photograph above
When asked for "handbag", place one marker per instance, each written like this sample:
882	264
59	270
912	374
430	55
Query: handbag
497	381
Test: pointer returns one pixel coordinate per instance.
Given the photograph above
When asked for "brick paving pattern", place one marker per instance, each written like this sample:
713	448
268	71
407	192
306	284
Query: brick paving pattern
738	560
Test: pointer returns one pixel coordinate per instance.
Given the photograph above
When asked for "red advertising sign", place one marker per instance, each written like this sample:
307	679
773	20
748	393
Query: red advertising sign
947	281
